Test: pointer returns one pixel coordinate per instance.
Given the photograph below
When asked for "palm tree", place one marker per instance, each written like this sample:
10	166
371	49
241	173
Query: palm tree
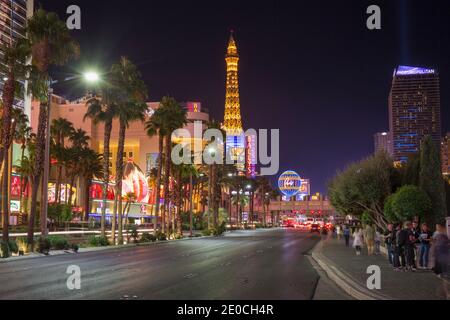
22	136
155	126
263	187
131	106
13	68
103	110
91	166
60	130
51	44
174	118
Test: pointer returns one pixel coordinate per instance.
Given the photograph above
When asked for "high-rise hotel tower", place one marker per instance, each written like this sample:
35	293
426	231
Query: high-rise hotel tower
235	142
414	110
13	18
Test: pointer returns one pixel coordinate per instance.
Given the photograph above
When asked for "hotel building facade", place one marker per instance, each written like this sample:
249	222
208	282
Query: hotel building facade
414	110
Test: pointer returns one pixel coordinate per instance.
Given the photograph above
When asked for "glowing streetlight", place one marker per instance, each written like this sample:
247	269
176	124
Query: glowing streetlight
91	76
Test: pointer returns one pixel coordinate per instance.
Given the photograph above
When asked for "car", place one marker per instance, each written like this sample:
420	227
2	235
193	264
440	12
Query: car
315	228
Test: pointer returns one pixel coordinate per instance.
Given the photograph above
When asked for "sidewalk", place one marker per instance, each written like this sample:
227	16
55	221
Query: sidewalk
348	271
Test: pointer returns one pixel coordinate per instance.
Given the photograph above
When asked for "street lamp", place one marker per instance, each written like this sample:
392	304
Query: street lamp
90	77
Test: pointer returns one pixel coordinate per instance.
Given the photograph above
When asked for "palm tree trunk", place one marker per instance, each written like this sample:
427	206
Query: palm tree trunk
106	141
190	204
87	208
166	181
158	180
39	164
215	196
8	99
113	220
119	174
71	184
22	156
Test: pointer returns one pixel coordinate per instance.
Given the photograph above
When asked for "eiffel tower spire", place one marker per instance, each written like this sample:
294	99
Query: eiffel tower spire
232	118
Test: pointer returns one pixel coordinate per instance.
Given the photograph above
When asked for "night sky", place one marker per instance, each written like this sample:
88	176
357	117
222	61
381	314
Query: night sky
310	68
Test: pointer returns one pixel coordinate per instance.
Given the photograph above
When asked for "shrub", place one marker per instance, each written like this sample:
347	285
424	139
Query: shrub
22	243
259	225
13	247
98	241
147	237
4	250
134	232
206	232
75	247
44	245
161	236
58	242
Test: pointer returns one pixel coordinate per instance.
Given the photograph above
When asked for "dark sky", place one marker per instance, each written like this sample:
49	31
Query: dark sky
310	68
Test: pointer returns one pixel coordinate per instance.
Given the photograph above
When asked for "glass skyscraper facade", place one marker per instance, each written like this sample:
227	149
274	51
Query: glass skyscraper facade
414	110
13	17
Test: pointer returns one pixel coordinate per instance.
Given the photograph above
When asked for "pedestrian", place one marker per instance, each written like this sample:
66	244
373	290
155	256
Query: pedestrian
358	241
389	235
347	235
377	241
399	258
369	238
416	232
441	247
338	232
409	246
424	239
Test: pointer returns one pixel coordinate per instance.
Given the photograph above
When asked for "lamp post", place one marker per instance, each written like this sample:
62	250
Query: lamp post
90	77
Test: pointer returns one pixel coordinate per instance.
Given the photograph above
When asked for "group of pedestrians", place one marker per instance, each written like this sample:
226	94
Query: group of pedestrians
409	244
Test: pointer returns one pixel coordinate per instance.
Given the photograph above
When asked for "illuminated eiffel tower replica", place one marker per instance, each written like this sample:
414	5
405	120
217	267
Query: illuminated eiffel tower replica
235	141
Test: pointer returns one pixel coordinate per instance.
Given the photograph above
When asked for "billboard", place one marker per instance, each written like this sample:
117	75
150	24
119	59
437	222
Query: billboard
251	156
289	184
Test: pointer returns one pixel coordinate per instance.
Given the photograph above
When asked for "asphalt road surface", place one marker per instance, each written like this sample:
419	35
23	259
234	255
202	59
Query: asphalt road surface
262	264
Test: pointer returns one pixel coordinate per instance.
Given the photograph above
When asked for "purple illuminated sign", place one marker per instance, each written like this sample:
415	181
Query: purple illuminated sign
405	70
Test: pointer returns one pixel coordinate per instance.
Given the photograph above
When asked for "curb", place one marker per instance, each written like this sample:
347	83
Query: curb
347	284
95	249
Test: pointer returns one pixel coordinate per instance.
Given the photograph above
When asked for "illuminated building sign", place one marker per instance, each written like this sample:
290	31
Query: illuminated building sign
194	106
235	146
289	183
134	182
304	190
251	156
405	70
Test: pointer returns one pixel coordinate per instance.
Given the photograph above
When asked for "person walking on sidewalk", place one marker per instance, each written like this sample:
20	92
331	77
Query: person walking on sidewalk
338	232
389	236
347	235
441	247
424	239
369	238
358	241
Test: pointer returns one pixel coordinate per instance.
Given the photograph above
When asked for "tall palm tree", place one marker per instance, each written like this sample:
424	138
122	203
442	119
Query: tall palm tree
155	126
103	109
263	188
13	67
51	44
91	166
174	118
131	106
61	129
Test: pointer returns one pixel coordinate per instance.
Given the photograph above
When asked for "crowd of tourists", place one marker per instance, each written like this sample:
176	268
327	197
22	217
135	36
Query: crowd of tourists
409	246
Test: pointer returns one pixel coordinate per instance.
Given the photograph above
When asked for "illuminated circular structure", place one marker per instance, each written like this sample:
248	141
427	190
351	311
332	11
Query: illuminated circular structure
289	183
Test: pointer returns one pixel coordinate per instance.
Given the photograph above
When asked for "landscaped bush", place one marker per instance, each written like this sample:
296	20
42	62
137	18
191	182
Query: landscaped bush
22	243
161	236
58	242
43	245
13	247
206	232
4	250
259	225
134	232
148	237
98	241
75	247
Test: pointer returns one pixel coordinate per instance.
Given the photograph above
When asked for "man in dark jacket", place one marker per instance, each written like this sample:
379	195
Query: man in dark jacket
402	234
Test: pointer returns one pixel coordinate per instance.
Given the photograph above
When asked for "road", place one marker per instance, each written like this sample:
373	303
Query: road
260	264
